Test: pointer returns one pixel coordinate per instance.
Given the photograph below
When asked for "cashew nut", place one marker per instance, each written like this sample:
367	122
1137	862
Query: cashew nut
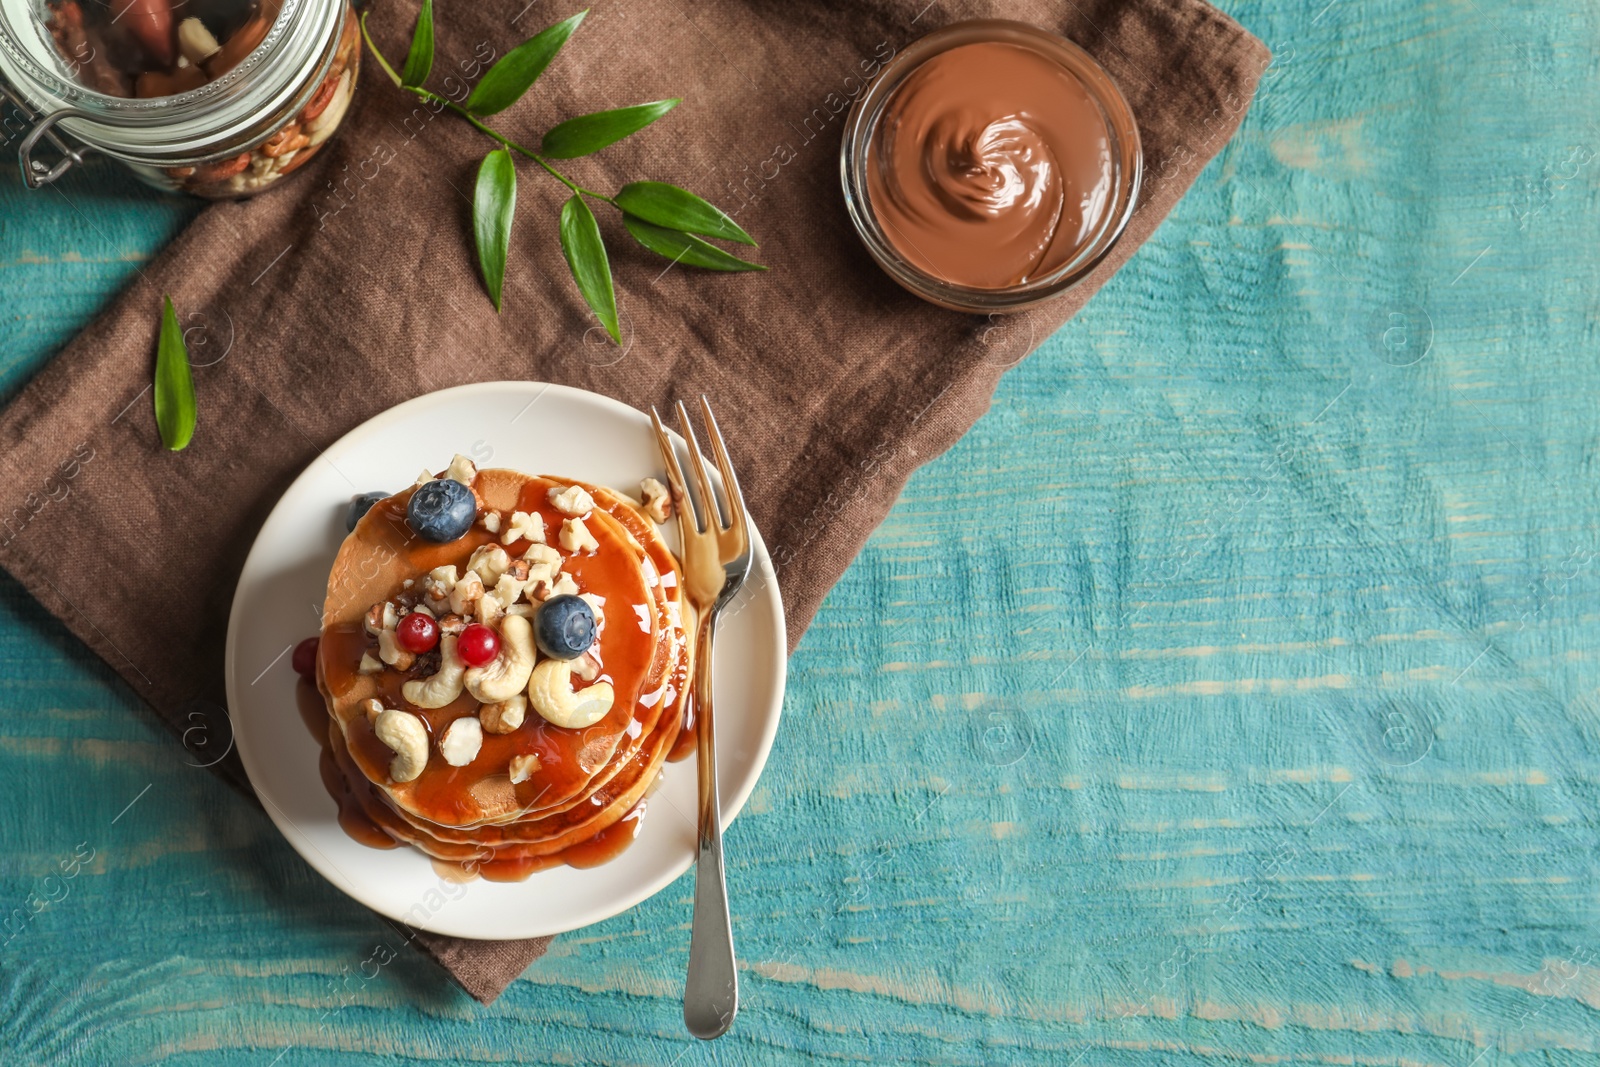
506	675
505	716
461	742
441	688
550	691
322	127
407	737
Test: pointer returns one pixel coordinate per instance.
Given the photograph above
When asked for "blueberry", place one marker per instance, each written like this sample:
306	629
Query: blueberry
441	510
359	506
564	628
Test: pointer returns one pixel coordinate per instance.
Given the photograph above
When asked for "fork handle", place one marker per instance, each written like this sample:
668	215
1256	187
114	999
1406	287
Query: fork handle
711	992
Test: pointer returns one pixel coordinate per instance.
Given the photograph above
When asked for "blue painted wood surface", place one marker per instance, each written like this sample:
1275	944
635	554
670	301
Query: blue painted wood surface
1228	694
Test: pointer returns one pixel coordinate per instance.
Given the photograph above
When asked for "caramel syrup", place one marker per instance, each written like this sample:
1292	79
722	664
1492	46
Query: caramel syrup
569	759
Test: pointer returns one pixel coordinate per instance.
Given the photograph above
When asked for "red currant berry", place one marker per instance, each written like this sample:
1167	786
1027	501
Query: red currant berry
305	658
477	645
417	633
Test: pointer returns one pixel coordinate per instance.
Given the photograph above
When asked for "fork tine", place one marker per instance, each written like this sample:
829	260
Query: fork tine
708	495
669	457
730	481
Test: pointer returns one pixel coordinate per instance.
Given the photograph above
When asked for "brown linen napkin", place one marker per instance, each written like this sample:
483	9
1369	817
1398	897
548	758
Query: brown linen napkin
353	288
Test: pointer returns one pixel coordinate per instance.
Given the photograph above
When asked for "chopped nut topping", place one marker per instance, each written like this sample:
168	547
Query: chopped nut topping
543	564
491	522
424	478
575	537
564	586
523	527
489	562
588	665
437	587
524	767
488	608
373	708
504	716
452	624
390	652
508	589
573	500
381	616
462	470
657	501
461	741
369	665
466	593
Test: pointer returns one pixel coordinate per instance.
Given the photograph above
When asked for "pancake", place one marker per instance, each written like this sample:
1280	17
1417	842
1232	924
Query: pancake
573	784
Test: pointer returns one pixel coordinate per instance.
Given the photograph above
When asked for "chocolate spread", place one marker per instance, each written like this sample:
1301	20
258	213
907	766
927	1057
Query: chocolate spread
990	166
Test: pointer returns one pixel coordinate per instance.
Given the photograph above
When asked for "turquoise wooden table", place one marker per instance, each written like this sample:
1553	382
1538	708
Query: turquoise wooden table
1229	694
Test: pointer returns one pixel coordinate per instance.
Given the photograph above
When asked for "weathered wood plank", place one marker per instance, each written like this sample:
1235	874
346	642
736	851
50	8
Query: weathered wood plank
1228	694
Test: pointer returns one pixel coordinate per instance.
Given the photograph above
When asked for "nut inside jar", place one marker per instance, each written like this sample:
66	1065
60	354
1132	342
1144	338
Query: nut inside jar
200	54
151	48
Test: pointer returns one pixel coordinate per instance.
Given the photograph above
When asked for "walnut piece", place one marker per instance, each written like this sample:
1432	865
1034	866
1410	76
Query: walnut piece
523	527
575	537
462	470
657	501
524	767
573	500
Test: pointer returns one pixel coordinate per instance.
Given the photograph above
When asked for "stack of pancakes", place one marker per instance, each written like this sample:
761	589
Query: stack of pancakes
584	781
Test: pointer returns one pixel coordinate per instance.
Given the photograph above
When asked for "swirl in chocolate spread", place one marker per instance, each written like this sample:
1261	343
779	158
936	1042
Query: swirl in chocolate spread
990	166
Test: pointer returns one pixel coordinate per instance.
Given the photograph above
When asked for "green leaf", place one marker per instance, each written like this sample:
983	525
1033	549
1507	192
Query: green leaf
682	247
384	63
174	385
493	202
586	257
590	133
678	209
519	68
419	61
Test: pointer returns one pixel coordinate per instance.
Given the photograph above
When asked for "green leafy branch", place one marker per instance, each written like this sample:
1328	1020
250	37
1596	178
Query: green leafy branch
665	219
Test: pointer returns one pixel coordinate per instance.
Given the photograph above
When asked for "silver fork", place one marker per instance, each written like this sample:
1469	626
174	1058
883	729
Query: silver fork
716	559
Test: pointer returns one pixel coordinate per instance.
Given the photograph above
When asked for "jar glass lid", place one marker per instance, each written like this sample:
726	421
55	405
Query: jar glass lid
159	77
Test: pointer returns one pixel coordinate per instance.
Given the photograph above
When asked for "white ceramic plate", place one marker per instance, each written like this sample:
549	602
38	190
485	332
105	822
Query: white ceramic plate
537	429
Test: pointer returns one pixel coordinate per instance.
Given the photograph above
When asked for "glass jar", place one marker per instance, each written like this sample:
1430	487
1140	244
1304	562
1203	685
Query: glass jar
219	98
1117	145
